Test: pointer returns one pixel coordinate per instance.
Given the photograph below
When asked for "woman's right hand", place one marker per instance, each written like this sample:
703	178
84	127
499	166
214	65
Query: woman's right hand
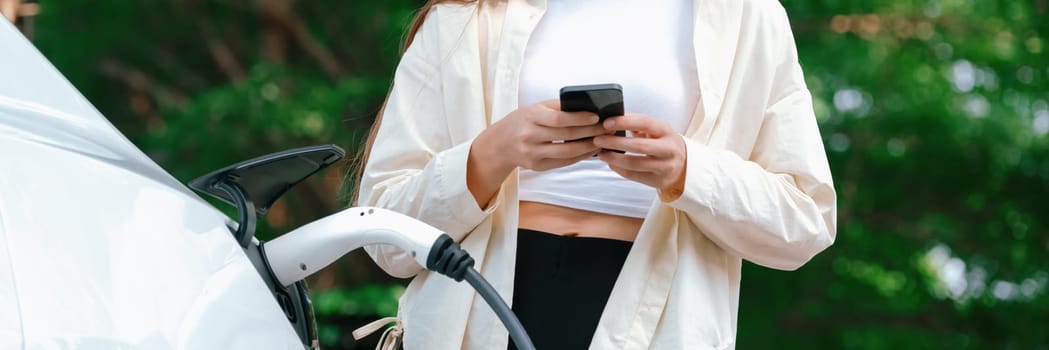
536	137
540	137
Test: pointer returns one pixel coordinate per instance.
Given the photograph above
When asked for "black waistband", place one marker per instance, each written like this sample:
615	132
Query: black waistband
542	249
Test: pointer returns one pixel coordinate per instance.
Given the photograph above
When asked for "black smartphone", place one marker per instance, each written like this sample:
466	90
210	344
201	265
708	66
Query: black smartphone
605	100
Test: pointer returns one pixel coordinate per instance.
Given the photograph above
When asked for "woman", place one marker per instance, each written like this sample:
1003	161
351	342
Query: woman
635	250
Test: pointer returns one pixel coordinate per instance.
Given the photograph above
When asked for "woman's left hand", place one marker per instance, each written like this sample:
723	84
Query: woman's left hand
658	158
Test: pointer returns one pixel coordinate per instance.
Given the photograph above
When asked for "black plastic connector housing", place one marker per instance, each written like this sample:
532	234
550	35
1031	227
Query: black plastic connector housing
449	259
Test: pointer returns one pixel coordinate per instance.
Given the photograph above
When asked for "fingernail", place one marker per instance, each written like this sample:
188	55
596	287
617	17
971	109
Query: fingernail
610	124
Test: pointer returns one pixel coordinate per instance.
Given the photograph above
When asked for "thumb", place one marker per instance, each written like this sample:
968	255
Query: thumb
553	104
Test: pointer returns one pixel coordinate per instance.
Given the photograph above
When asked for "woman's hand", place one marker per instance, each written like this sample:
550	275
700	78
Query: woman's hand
658	158
536	137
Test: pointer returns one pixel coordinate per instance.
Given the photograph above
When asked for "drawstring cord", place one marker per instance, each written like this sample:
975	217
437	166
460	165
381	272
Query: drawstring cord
391	337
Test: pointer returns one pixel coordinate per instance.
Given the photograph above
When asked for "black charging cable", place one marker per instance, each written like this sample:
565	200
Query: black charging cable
448	258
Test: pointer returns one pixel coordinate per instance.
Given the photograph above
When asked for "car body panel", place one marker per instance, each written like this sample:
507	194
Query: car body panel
100	248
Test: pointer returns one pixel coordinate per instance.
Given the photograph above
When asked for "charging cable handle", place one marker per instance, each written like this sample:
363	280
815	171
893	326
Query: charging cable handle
307	249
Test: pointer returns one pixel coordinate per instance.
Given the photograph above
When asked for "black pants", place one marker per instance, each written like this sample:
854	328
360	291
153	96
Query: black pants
561	285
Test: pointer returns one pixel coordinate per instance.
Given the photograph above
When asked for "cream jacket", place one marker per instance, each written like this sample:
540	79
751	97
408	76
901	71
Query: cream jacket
757	182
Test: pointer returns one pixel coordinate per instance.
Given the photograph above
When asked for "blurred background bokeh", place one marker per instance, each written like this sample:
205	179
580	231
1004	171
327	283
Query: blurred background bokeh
934	114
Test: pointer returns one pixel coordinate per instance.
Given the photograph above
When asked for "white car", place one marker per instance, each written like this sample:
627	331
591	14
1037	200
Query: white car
100	248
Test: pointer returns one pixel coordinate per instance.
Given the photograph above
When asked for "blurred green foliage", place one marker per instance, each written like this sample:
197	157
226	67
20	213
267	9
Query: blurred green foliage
935	117
369	299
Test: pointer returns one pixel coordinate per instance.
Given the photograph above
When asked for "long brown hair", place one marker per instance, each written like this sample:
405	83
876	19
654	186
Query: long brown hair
361	160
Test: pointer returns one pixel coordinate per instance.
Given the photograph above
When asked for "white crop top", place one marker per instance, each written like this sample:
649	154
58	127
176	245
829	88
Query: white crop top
645	46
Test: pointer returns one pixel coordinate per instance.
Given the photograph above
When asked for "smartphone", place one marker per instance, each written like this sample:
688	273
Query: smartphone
605	100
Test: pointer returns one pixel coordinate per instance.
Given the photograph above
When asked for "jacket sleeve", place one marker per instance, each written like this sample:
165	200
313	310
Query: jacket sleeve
778	208
413	166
